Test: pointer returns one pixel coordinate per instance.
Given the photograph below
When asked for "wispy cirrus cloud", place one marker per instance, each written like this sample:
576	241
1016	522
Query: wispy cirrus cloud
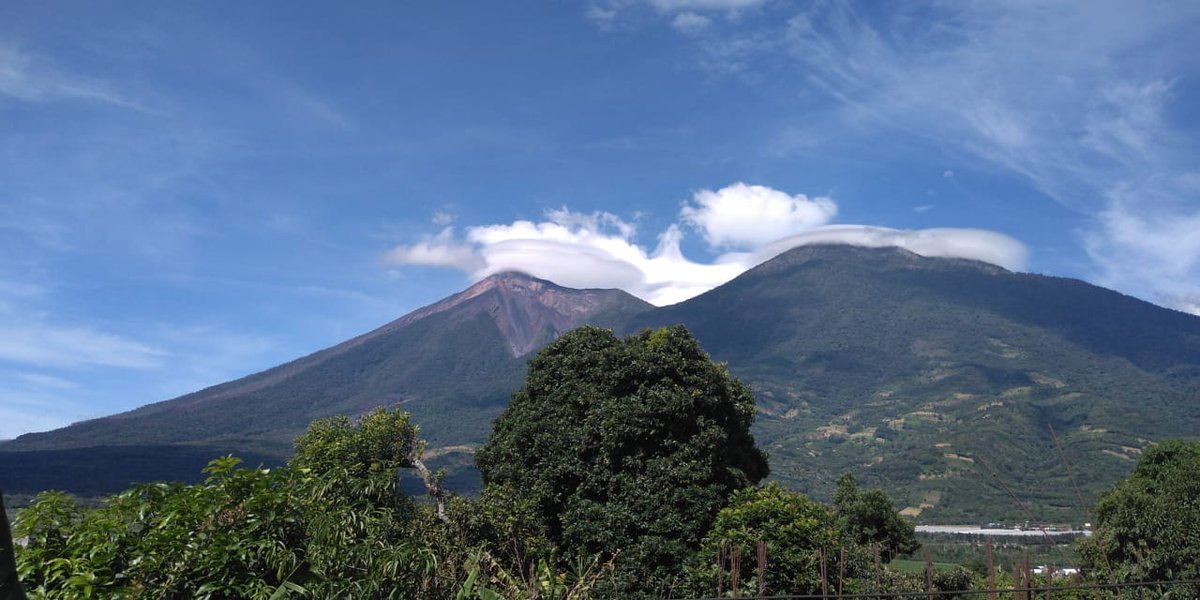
31	338
37	356
32	78
43	367
1095	120
688	17
115	161
63	346
56	366
53	375
713	5
745	224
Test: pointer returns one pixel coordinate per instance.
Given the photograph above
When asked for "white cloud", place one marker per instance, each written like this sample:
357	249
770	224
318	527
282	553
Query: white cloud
437	254
741	215
599	249
948	174
442	218
594	250
597	221
441	251
49	345
690	23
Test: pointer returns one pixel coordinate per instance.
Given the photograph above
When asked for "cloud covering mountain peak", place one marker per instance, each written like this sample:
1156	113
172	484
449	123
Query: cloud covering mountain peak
743	225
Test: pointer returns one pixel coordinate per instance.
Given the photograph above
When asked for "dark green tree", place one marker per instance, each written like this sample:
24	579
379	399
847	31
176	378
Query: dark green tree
628	445
1148	526
797	531
870	519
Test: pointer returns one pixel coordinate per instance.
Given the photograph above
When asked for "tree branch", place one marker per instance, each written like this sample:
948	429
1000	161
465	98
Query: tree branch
433	486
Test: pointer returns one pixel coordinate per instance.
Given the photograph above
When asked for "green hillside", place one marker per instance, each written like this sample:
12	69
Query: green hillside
916	374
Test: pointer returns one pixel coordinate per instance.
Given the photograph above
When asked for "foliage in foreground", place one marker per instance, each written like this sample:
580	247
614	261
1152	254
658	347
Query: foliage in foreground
1148	526
315	528
333	523
623	470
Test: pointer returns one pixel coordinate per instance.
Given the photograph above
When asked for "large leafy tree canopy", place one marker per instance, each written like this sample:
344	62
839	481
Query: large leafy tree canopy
628	445
1148	526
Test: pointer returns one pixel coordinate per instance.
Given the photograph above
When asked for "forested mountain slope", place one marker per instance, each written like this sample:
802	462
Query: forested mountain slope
926	375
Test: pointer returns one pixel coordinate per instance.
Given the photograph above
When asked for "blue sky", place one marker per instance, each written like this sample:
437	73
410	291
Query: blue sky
191	192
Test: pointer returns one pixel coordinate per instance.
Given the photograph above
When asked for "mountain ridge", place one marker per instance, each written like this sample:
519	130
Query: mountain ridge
908	371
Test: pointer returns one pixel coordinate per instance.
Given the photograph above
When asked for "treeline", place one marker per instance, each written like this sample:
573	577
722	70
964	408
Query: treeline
1032	538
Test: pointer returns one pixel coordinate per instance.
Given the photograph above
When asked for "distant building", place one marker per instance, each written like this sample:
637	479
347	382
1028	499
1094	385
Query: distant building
1058	573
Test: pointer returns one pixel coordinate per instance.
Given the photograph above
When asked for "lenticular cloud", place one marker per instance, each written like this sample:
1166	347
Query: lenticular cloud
975	244
748	223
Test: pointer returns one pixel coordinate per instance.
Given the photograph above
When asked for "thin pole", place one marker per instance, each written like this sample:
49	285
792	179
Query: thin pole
991	575
877	571
1028	578
1018	582
841	570
1062	456
1141	571
1087	513
735	569
762	568
824	576
928	573
720	570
